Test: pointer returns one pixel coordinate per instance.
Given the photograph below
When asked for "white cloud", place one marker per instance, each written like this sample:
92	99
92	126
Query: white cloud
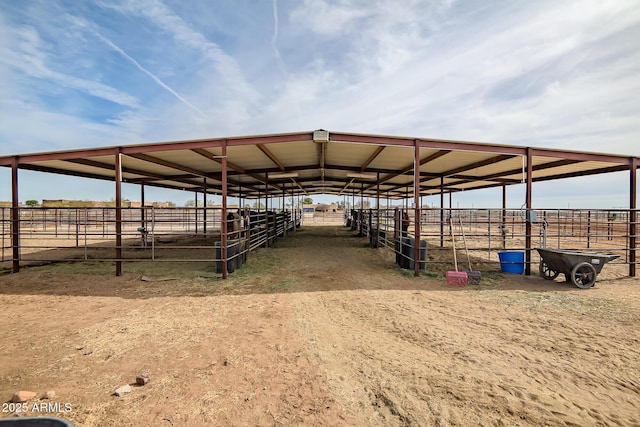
149	73
331	19
24	51
559	74
160	15
444	90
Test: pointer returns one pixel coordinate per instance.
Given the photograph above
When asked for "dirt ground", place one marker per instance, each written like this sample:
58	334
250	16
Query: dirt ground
319	330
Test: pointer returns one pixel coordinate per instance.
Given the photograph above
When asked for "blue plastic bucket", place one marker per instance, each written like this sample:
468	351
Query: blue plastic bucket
512	262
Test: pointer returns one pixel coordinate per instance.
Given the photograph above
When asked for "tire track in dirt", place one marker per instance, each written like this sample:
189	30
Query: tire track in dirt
403	351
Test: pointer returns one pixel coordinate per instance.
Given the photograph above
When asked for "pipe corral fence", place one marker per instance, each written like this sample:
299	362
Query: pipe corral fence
148	234
194	234
486	232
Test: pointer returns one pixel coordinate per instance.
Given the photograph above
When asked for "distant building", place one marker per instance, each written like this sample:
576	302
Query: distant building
320	207
130	204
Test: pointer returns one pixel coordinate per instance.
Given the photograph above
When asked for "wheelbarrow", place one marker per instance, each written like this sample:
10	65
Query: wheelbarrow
580	268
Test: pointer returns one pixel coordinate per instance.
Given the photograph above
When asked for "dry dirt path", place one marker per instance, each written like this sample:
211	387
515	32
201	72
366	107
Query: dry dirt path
323	330
401	351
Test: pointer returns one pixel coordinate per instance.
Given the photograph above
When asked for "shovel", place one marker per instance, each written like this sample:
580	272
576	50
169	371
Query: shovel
473	276
455	278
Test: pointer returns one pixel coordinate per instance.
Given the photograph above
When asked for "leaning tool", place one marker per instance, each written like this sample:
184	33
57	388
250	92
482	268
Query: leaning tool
473	276
455	278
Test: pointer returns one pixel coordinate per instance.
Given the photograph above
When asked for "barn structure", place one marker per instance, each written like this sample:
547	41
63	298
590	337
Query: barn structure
279	167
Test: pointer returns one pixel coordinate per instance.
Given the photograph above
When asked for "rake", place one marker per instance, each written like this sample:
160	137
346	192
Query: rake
455	278
473	276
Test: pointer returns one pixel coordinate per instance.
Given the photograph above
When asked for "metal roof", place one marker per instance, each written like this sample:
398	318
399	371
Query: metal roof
320	161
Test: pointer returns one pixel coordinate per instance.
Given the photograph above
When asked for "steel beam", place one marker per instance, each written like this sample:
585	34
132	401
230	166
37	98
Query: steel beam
633	214
204	202
416	215
504	216
578	156
371	158
529	200
143	219
378	213
15	217
271	156
411	167
442	211
118	176
206	154
167	164
269	139
224	225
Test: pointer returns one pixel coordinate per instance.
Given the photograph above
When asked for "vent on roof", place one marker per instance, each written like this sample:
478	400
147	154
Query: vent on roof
320	135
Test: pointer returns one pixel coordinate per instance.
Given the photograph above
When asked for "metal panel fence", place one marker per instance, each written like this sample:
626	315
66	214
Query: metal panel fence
489	231
192	234
148	234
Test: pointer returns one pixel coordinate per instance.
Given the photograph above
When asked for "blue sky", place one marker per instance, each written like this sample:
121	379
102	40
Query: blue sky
558	74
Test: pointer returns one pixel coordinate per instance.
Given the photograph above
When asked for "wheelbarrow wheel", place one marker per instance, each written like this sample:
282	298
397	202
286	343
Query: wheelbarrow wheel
546	272
584	275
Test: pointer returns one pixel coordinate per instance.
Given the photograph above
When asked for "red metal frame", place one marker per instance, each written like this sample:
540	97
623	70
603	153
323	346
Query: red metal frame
529	202
38	162
633	214
224	224
15	216
417	207
118	173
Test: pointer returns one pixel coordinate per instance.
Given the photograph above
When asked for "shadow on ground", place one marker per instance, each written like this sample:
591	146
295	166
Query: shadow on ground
313	259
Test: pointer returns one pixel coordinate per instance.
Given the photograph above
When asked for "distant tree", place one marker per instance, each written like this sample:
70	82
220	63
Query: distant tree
340	204
322	208
257	205
307	201
192	203
32	203
364	205
170	204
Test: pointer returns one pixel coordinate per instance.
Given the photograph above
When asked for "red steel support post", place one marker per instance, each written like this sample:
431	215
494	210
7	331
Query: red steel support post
204	203
286	224
294	211
528	226
266	209
118	166
361	226
442	212
245	221
503	228
15	216
416	202
223	222
195	194
633	215
142	211
377	240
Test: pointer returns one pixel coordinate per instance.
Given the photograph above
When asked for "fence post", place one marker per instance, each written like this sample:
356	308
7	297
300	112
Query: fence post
588	229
